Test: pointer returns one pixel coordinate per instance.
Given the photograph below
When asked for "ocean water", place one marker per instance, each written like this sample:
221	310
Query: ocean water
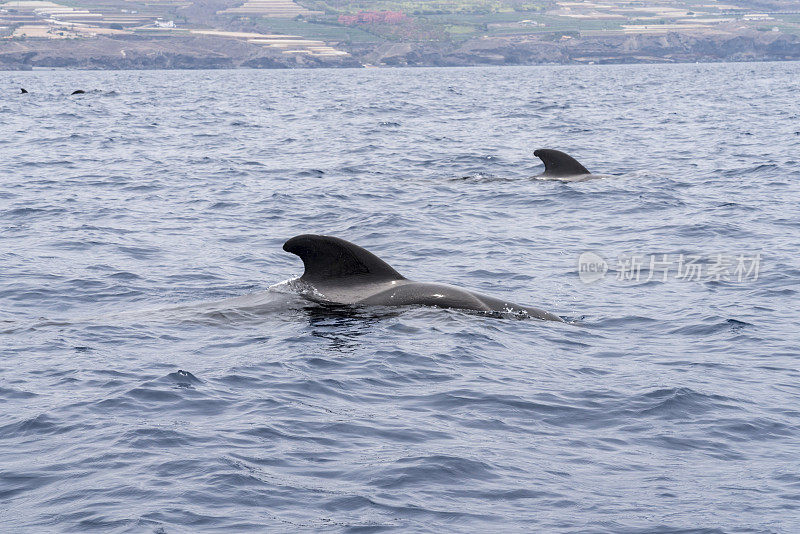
158	375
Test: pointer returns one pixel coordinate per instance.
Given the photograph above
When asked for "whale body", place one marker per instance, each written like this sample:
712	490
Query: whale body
340	272
562	167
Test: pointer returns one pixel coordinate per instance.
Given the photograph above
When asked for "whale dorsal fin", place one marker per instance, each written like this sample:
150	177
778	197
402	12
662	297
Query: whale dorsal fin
556	163
327	258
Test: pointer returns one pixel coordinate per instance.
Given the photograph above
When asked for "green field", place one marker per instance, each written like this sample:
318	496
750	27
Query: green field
792	29
312	30
419	7
501	24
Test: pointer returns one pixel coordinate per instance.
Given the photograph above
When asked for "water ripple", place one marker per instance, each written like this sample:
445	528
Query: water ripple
157	376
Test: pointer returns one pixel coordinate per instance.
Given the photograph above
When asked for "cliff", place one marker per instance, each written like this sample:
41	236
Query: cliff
670	47
132	52
196	52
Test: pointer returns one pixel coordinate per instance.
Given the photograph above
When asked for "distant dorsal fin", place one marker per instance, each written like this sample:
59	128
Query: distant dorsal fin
557	163
326	258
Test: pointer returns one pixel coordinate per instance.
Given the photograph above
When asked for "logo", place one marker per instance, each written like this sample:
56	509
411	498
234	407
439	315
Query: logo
591	267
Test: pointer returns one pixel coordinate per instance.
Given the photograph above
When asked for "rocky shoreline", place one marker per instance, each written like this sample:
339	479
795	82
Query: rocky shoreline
667	48
133	52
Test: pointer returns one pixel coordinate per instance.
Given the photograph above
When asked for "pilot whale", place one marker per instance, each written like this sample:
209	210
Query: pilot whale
562	167
340	272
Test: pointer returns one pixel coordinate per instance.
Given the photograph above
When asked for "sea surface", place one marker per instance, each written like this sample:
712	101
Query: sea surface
136	396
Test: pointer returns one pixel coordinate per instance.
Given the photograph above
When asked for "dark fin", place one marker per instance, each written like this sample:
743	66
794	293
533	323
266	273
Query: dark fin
327	258
556	163
22	91
78	92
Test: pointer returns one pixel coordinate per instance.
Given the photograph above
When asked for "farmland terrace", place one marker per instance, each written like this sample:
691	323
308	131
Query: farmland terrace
339	33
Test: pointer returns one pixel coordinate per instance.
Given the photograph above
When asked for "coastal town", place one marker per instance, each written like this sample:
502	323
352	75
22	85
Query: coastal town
314	33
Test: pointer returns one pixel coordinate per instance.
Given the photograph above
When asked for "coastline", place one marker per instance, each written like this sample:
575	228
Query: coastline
205	52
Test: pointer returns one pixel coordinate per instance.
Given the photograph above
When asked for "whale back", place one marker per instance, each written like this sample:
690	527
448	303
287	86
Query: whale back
557	163
328	259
